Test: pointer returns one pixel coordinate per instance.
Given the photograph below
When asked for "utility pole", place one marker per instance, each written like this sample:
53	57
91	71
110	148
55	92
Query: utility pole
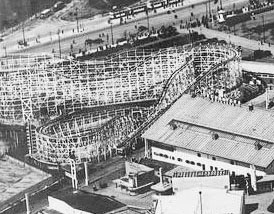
59	42
221	5
147	19
234	13
263	27
27	203
209	8
23	31
5	48
206	9
77	22
111	31
201	202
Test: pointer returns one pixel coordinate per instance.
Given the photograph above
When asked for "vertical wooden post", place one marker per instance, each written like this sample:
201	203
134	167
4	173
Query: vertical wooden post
86	173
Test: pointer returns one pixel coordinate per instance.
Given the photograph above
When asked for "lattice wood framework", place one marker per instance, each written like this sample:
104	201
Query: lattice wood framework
125	83
32	88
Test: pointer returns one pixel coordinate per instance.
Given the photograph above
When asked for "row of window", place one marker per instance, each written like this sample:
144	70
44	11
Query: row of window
199	155
187	161
178	159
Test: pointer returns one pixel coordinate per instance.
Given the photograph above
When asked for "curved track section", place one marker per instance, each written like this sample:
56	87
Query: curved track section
156	80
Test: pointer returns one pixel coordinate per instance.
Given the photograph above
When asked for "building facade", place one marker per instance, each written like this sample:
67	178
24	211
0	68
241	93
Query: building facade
206	135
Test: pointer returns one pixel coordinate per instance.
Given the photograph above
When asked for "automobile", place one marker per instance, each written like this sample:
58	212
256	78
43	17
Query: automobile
45	13
58	6
22	42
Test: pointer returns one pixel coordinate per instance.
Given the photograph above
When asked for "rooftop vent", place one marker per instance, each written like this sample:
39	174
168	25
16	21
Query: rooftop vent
258	146
173	126
214	136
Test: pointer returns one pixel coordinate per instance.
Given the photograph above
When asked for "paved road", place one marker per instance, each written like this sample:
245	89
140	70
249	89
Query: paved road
93	27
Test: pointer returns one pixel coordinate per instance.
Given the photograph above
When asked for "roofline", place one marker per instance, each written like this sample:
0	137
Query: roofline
221	130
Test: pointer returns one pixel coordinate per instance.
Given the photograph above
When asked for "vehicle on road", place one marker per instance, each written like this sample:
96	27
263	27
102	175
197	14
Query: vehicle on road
58	6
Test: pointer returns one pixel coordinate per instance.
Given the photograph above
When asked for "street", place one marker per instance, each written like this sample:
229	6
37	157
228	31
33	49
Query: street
91	28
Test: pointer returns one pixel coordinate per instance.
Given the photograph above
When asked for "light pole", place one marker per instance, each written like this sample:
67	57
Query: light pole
23	31
77	22
147	18
209	8
201	202
59	42
263	27
234	27
5	48
111	31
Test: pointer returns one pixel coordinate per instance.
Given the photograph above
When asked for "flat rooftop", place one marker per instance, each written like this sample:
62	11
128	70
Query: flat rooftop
88	202
16	177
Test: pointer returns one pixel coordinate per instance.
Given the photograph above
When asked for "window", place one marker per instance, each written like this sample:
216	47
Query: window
180	159
199	155
211	168
203	167
216	168
172	158
187	161
192	163
199	164
213	158
165	156
232	162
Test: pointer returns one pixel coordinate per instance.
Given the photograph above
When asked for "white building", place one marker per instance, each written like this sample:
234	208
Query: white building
201	200
206	135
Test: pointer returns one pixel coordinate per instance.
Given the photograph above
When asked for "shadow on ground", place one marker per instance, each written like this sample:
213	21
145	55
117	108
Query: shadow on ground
270	208
251	207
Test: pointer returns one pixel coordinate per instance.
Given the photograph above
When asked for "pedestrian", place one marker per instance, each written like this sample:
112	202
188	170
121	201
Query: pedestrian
269	44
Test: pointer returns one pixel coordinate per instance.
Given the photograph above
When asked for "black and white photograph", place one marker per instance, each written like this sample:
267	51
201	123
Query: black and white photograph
136	106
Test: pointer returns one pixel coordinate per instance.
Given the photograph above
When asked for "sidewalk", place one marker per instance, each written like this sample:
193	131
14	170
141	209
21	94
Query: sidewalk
47	29
237	40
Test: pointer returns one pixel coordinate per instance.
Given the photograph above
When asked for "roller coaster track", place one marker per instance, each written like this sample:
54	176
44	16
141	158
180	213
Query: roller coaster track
162	106
98	137
106	103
